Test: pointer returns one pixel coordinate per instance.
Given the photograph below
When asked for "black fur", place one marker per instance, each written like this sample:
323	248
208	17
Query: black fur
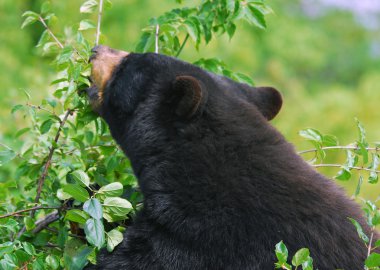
222	187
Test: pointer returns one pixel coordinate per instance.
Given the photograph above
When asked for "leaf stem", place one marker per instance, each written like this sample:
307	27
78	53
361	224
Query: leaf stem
99	22
183	45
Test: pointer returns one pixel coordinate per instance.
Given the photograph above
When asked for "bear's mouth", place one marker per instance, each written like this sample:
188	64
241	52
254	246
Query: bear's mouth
104	60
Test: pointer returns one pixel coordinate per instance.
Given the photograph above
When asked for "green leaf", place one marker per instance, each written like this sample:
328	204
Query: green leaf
16	108
281	252
77	192
78	260
329	140
377	244
373	177
359	185
301	257
85	25
192	29
146	42
45	7
31	17
62	195
242	78
29	223
6	155
112	190
7	265
29	248
311	134
94	231
255	17
116	208
344	174
114	238
362	132
88	6
76	215
80	177
359	229
373	260
46	125
52	261
94	208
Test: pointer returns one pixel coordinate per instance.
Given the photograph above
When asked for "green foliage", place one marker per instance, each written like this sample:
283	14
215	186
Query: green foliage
85	180
300	259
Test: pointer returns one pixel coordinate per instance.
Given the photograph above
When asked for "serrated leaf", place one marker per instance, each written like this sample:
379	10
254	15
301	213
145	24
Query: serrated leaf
29	223
76	215
255	17
85	25
359	229
93	208
373	260
77	192
80	177
94	231
329	140
114	238
300	257
29	248
192	29
112	190
88	6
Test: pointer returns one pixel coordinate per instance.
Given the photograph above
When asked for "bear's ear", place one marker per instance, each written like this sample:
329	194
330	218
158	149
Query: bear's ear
189	95
268	100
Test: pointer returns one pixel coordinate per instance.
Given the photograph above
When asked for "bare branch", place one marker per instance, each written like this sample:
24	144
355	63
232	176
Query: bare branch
42	223
348	147
27	210
44	173
99	22
340	166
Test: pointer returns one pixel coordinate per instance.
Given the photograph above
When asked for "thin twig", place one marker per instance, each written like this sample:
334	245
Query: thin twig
27	210
43	176
99	22
56	39
157	36
183	45
339	166
348	147
370	242
38	107
50	32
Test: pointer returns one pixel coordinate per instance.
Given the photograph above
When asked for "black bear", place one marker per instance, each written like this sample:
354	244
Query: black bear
221	185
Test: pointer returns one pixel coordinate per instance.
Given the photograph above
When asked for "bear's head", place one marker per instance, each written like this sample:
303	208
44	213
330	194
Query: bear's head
158	104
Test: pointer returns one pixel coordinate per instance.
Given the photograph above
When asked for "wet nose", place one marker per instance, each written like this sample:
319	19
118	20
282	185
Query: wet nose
97	49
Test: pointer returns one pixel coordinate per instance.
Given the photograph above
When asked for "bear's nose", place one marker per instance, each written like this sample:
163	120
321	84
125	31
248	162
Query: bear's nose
95	51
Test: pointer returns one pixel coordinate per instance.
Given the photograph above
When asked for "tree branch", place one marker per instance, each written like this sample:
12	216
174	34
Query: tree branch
42	223
50	32
27	210
348	147
99	22
340	166
44	173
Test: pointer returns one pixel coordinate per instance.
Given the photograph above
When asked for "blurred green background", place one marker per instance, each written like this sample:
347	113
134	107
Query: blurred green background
324	56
